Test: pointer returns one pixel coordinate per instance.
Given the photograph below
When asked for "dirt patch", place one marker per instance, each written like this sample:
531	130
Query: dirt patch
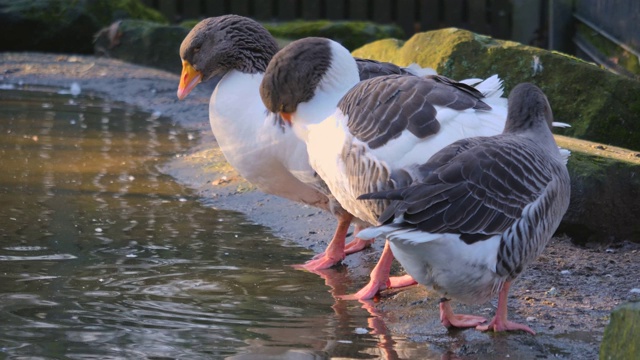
566	295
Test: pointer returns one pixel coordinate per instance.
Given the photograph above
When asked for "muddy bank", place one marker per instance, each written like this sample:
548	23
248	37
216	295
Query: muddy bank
566	295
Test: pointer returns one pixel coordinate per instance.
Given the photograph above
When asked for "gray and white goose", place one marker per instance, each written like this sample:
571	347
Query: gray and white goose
367	136
238	50
482	210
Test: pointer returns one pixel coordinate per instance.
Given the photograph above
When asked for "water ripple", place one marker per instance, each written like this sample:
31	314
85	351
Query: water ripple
38	257
152	273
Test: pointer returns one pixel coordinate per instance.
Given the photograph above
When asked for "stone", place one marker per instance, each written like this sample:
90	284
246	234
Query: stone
157	45
600	106
62	25
605	193
143	42
621	336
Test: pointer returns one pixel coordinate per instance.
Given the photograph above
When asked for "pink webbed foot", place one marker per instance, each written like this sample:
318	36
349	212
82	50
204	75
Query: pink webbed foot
449	319
352	247
321	263
335	250
376	285
498	325
356	245
368	292
500	322
380	279
396	282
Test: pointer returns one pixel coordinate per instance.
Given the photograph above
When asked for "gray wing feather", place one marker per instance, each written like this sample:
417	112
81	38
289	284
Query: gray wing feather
479	195
470	90
369	69
367	176
382	108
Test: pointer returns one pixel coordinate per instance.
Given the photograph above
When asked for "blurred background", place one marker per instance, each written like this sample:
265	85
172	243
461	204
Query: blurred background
606	32
603	31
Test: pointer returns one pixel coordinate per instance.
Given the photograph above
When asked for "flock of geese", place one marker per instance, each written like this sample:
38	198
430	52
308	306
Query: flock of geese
466	187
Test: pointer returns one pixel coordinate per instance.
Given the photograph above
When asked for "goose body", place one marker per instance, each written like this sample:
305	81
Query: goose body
238	49
481	210
368	136
262	154
273	158
372	140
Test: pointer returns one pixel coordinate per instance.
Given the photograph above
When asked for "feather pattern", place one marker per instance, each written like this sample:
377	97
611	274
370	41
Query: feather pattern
368	69
488	203
480	194
369	136
380	109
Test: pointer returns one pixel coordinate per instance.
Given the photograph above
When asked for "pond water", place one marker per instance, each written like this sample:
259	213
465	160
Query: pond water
104	257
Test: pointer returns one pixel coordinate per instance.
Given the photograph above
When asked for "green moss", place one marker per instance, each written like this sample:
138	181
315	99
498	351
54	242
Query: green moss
64	25
581	165
383	50
351	34
109	11
621	336
605	193
189	24
102	12
600	106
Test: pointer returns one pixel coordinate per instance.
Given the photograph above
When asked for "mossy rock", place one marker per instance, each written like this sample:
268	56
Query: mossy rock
63	25
621	336
351	34
157	45
143	42
605	193
601	106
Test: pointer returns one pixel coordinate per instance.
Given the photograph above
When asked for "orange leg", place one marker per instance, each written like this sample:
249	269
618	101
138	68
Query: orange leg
449	319
357	244
334	252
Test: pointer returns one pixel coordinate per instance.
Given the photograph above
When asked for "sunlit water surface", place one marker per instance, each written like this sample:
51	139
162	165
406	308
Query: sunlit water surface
102	256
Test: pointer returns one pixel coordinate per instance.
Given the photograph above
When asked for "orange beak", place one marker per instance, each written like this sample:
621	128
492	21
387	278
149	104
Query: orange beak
188	80
286	116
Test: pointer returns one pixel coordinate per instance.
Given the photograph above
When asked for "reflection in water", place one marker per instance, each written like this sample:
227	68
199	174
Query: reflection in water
101	256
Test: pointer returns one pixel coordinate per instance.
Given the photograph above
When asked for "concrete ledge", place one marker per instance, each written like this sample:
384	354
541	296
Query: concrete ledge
605	193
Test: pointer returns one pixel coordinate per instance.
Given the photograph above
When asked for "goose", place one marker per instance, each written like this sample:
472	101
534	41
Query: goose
365	136
272	158
482	209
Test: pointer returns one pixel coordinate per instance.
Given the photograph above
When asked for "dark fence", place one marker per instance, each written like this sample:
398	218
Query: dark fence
618	20
490	17
606	32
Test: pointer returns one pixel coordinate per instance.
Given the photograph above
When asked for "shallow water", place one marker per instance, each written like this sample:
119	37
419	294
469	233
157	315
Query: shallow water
102	256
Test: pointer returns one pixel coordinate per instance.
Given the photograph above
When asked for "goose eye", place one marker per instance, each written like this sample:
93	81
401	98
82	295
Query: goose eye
196	50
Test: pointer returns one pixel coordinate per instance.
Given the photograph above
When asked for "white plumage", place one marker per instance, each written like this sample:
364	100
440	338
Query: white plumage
369	136
273	158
